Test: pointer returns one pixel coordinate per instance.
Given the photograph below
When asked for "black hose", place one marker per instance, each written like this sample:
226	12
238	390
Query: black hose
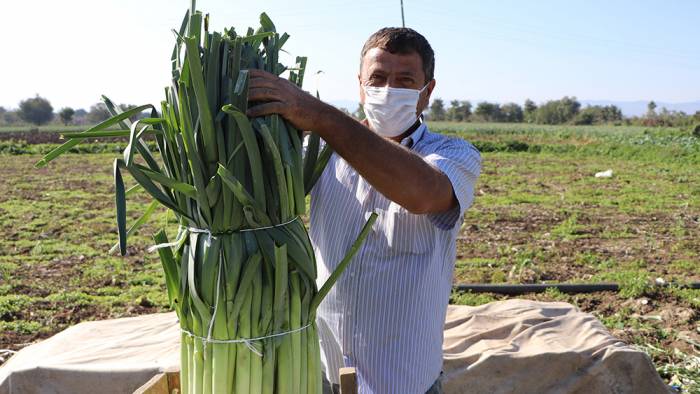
570	288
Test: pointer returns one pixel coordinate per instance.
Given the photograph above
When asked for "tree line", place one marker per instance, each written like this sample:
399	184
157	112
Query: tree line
567	110
38	111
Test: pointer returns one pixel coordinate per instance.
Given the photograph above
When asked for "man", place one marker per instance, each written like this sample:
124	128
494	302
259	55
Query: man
385	315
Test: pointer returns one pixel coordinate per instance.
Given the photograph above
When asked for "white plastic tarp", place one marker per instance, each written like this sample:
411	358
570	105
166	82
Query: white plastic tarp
514	346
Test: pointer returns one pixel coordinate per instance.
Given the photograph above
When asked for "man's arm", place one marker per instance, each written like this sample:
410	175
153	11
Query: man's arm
396	172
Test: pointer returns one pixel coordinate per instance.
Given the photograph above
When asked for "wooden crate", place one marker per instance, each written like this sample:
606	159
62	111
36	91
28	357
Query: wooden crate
169	383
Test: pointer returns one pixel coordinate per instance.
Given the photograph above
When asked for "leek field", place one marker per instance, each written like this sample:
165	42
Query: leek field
539	215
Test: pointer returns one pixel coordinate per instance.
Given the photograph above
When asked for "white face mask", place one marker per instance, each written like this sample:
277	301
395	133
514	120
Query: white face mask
391	111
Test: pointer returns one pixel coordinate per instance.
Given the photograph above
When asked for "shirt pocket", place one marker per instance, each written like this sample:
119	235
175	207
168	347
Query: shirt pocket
402	232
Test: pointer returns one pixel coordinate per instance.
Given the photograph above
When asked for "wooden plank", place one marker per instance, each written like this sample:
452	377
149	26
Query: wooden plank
162	383
174	381
348	381
157	385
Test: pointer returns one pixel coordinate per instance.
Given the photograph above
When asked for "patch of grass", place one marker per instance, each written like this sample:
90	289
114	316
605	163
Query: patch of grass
691	296
498	277
6	269
477	270
633	283
569	229
471	299
144	279
55	128
625	318
11	306
22	327
71	298
685	265
554	294
617	232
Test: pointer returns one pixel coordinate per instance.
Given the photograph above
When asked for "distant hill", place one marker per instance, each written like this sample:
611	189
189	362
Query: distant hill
636	108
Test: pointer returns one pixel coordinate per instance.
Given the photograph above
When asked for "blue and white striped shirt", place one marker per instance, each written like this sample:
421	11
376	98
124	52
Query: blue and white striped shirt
385	315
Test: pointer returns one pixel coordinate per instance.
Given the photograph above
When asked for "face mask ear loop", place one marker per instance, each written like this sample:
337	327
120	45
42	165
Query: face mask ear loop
420	117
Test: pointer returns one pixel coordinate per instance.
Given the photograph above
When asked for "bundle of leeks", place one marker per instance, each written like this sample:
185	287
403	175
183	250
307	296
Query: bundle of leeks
241	272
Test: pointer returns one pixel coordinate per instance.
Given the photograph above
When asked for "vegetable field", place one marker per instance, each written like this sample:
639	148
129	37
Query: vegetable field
539	215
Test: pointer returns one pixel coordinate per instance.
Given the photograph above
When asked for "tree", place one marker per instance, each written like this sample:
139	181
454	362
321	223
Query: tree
98	113
80	117
512	113
437	110
597	114
611	113
488	112
66	115
37	110
459	111
453	112
465	109
529	110
651	110
585	117
558	111
140	115
10	117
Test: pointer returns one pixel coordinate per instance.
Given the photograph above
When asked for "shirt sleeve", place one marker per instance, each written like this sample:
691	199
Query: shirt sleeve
460	161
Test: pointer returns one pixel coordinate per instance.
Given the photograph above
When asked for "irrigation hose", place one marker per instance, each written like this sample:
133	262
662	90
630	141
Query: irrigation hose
569	288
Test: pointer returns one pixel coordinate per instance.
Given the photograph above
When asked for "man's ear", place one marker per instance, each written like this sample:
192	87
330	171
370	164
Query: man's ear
362	91
429	88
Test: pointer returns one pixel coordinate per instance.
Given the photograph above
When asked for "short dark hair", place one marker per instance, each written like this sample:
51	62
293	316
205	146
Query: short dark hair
403	40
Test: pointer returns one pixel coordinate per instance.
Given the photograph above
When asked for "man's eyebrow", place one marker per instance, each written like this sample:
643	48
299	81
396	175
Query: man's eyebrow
377	70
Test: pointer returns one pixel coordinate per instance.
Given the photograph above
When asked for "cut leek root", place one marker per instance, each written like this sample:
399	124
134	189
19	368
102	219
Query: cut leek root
241	272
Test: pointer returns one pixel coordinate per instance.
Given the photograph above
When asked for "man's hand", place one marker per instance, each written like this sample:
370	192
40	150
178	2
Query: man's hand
276	95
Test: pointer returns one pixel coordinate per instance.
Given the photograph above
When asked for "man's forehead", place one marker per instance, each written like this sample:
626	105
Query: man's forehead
380	59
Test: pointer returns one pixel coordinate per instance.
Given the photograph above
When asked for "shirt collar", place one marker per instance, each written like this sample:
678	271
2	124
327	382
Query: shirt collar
411	140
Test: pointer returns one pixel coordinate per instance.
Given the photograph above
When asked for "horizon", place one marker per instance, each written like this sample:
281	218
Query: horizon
632	52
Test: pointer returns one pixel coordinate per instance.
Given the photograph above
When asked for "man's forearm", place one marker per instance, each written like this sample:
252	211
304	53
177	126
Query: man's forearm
393	170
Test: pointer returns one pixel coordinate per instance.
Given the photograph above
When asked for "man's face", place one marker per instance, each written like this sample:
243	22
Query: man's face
382	68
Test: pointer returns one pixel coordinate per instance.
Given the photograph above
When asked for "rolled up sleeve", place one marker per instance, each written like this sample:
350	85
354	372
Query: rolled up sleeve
460	161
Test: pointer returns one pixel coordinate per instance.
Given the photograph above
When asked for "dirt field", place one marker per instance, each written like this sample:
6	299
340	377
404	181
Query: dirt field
537	217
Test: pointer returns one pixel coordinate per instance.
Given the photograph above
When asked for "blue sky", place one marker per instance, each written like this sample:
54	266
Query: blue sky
74	50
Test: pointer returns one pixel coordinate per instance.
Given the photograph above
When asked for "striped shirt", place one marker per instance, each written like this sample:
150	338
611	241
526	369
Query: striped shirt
385	315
